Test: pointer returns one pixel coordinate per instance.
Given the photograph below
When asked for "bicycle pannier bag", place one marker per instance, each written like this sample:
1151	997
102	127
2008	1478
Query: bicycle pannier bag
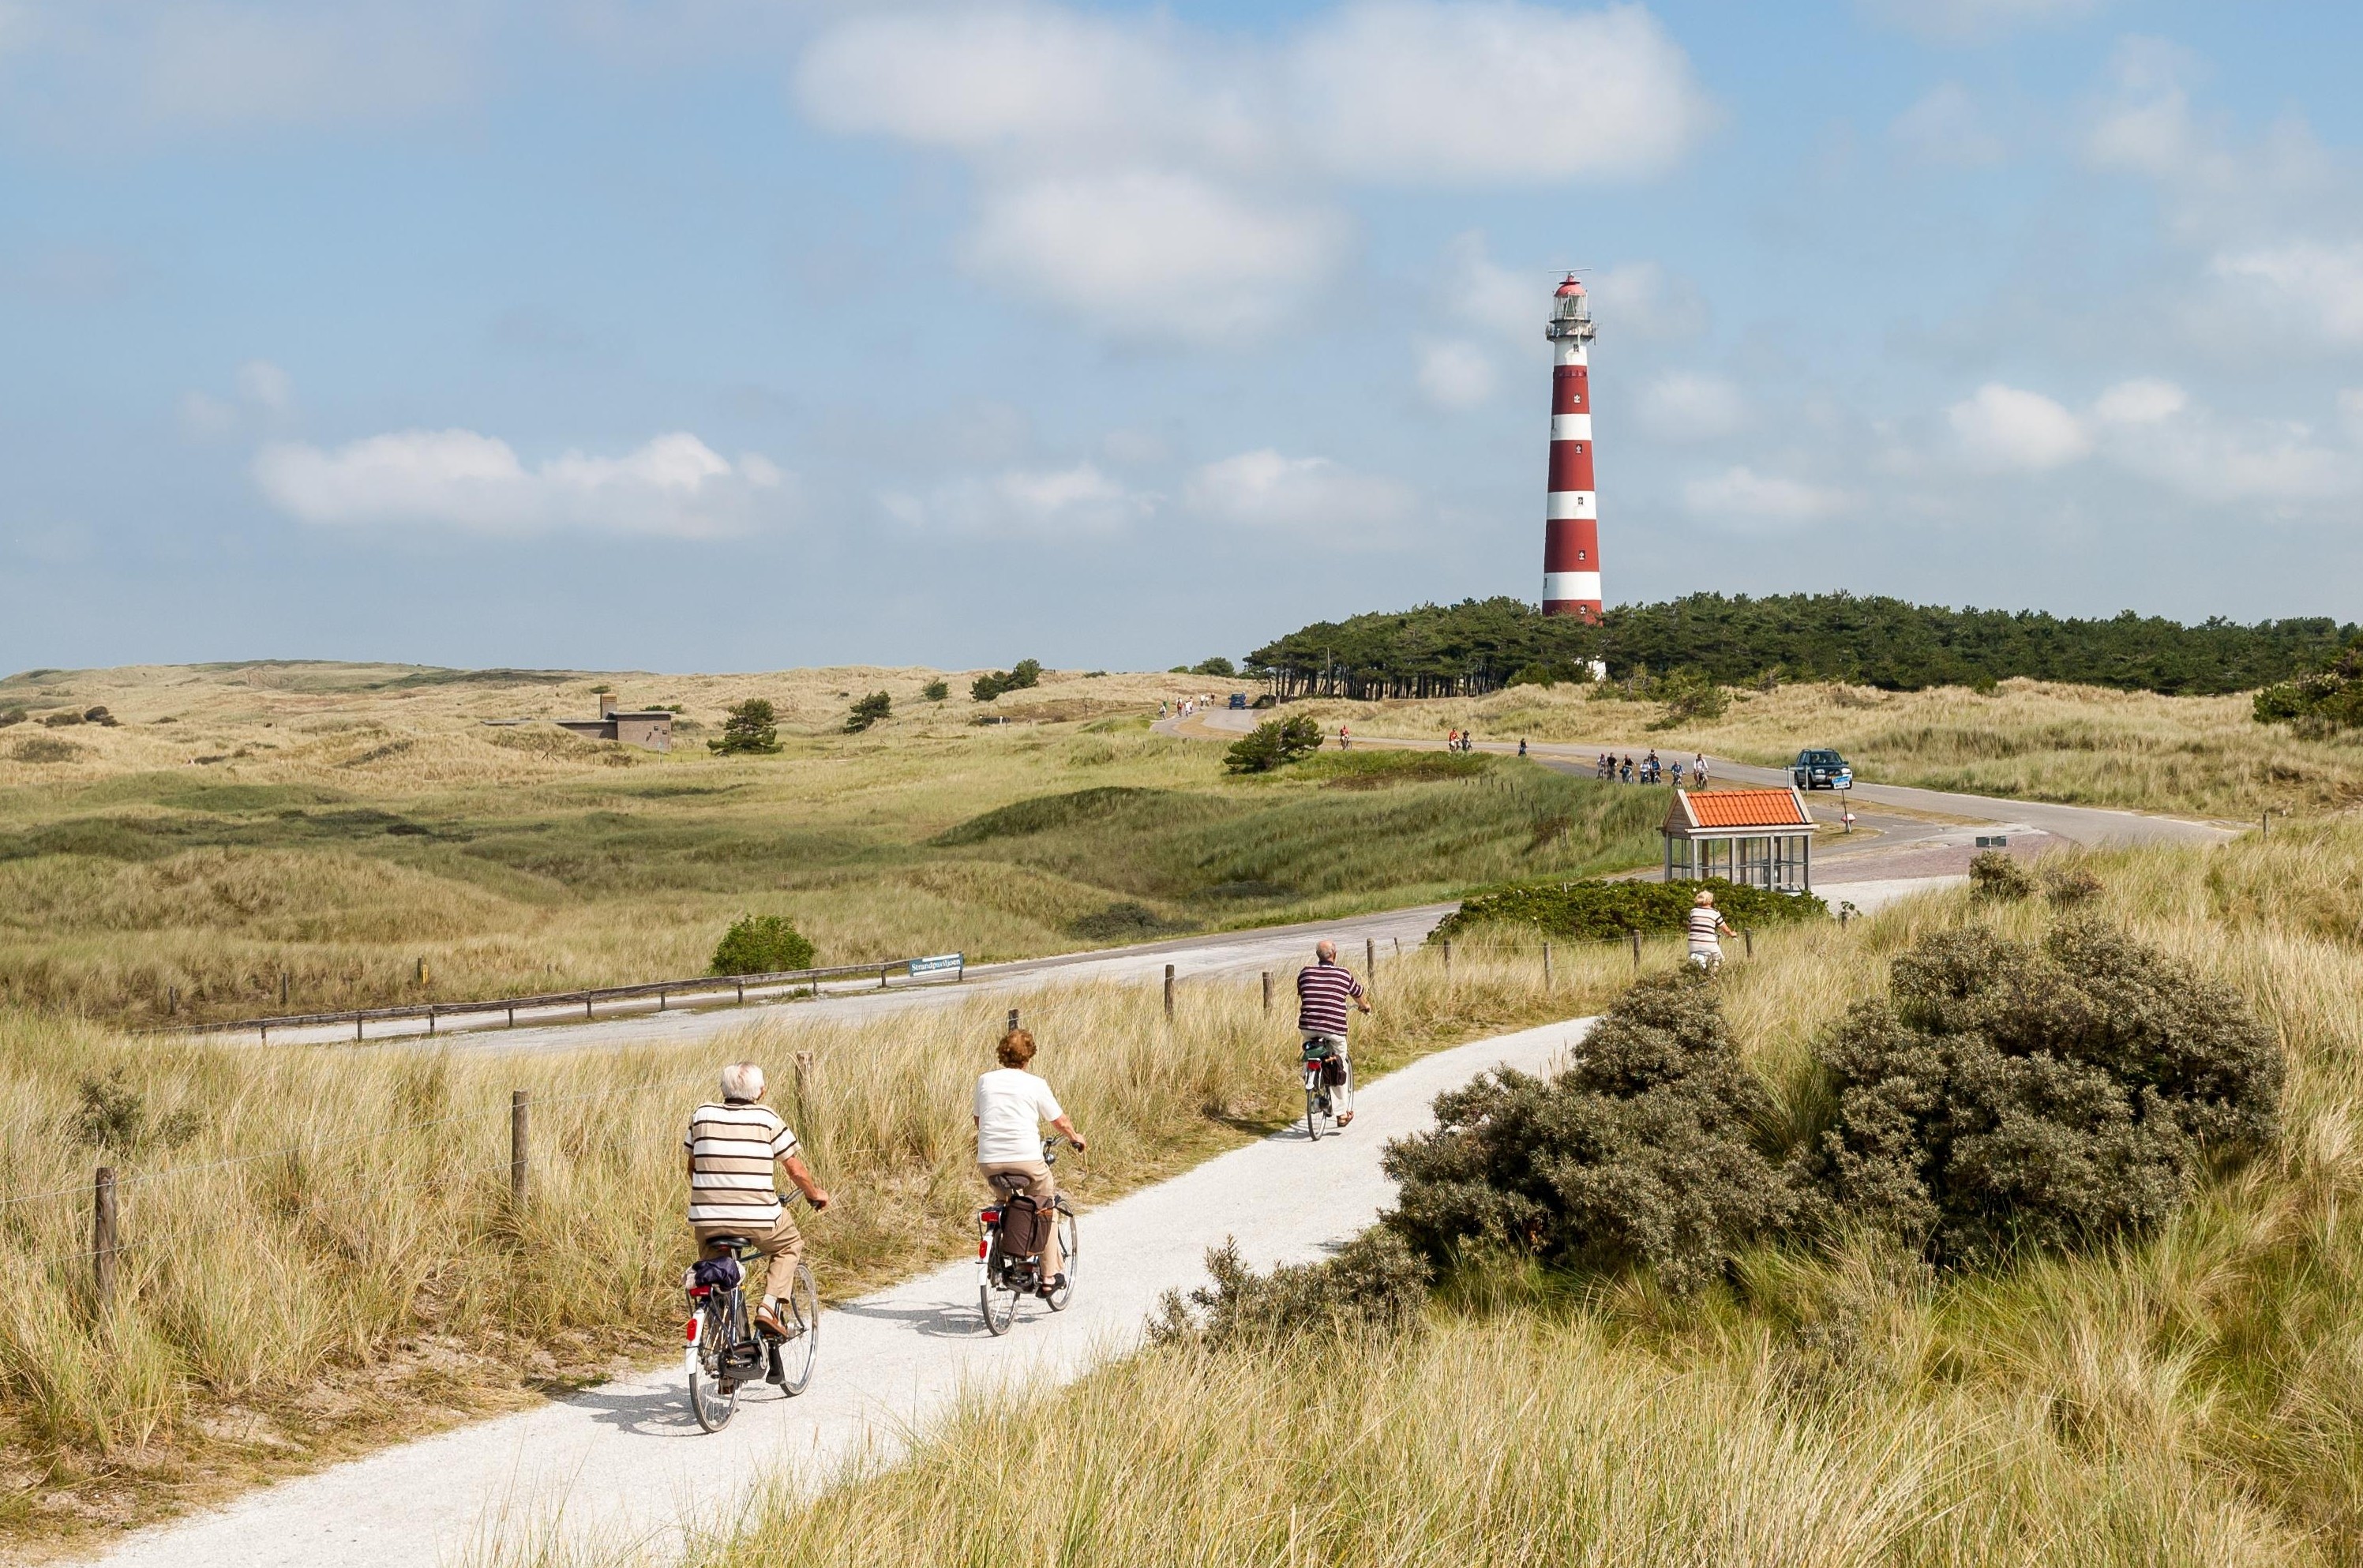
1332	1070
1025	1227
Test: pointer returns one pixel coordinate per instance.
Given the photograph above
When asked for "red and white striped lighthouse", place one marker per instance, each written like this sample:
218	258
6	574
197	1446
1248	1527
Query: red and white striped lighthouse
1571	510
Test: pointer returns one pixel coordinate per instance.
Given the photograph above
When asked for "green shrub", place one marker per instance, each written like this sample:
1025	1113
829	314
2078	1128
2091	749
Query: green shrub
935	691
1125	921
1690	696
868	711
2002	1096
762	944
1602	911
1274	743
1998	878
1375	1283
750	729
1640	1153
2321	702
1019	677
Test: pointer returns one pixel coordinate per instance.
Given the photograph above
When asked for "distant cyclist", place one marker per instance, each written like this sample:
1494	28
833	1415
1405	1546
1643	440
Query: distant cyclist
1324	988
1698	769
1344	738
732	1149
1011	1105
1707	929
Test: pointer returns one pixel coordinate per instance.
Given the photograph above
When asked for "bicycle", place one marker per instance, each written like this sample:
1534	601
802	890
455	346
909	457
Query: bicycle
1002	1277
724	1347
1328	1078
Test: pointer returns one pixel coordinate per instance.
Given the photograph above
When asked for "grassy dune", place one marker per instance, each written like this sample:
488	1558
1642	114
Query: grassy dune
323	1255
2193	1400
2084	745
356	823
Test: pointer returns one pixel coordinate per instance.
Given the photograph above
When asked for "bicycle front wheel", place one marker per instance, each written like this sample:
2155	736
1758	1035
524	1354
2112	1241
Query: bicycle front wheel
800	1315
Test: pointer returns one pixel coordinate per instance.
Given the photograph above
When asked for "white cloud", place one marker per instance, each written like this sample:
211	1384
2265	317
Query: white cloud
674	486
1163	183
1154	255
2319	286
1637	300
1643	300
2143	401
1264	490
265	385
1456	373
2202	456
2005	427
1686	406
1947	127
1976	21
1479	292
1080	501
1407	91
1742	497
206	417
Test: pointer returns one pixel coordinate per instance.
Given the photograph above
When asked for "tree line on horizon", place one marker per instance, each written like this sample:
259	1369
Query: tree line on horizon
1481	645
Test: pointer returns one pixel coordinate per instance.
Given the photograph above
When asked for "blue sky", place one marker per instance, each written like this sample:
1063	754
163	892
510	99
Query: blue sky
693	334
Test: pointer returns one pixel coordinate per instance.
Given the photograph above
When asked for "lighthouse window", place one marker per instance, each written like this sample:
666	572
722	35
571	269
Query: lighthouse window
1579	555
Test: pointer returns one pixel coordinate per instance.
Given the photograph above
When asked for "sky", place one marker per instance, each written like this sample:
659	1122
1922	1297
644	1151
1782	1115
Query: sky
708	335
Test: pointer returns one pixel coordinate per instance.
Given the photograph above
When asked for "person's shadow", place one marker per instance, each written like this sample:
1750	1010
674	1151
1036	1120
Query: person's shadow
654	1412
939	1321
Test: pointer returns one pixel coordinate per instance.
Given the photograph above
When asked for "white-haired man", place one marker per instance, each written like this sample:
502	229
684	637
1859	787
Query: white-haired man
1323	990
1707	929
733	1147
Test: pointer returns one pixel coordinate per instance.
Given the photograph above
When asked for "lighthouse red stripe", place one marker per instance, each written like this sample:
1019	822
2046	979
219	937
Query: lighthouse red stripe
1571	544
1570	390
1570	465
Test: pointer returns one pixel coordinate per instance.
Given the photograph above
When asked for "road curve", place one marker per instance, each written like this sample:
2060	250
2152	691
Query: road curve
622	1467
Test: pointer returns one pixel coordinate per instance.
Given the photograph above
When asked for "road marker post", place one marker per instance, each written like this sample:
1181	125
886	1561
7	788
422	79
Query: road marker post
1169	992
520	1127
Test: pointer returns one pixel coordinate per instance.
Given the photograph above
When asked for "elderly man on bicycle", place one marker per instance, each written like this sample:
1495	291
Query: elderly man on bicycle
733	1147
1323	990
1011	1105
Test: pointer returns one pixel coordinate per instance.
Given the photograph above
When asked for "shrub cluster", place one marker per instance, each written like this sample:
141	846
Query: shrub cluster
1602	911
1996	877
1021	676
1642	1151
1274	743
2318	704
1374	1283
2004	1096
762	944
867	711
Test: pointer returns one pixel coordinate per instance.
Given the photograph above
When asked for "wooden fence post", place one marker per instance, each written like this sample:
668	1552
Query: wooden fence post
881	977
1546	974
1747	940
1447	961
357	1025
283	987
803	1065
103	1235
1636	951
1169	991
1267	990
430	1018
519	1145
586	1007
1370	957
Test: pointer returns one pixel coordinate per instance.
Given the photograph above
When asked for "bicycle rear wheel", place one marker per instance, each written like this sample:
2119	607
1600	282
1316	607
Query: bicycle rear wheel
998	1304
712	1399
1313	1111
799	1313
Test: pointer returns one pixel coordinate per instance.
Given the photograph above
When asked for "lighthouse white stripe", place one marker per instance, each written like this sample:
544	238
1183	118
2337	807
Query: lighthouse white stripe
1570	426
1560	504
1570	353
1570	586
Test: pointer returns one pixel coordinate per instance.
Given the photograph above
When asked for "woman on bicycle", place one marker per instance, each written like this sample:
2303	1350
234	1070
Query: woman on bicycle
733	1147
1011	1105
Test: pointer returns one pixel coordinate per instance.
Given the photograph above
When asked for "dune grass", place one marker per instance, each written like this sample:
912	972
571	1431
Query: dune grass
2039	740
322	1254
2194	1398
369	841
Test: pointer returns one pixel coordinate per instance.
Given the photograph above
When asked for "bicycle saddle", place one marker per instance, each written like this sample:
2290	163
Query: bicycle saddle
735	1243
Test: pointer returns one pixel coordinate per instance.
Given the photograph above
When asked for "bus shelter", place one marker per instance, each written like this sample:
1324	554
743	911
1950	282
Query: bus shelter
1761	838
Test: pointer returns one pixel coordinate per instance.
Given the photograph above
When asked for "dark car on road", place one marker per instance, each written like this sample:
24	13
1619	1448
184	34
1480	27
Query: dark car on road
1821	770
1238	699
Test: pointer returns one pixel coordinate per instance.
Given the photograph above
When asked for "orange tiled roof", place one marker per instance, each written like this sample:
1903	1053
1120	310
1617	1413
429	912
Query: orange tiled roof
1746	809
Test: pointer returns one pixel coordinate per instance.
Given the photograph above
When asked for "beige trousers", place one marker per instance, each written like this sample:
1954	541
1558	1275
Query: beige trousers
1042	1188
782	1247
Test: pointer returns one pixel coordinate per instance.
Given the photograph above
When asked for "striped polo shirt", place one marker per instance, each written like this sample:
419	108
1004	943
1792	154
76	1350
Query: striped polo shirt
1323	990
1704	918
731	1149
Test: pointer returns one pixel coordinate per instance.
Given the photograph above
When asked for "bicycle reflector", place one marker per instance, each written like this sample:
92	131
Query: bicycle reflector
689	1332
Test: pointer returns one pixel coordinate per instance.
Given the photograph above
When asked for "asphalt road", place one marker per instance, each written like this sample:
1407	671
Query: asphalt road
622	1467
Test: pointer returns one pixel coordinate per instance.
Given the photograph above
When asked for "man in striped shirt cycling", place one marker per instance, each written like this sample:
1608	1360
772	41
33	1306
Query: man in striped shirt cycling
733	1147
1323	990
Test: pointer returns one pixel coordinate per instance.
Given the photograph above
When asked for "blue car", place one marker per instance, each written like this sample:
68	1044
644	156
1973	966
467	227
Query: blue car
1821	770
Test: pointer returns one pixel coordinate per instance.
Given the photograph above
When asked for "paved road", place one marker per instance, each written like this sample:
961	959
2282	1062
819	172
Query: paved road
2087	825
622	1465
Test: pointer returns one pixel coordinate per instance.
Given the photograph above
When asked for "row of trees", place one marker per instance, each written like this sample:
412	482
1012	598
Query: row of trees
1481	645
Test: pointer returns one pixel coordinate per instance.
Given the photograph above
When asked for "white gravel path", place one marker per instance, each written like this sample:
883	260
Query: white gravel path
622	1467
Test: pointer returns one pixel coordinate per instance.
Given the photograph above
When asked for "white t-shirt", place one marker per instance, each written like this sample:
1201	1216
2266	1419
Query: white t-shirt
1011	1105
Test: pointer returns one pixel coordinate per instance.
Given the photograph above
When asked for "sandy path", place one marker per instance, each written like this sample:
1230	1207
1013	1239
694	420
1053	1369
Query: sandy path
623	1464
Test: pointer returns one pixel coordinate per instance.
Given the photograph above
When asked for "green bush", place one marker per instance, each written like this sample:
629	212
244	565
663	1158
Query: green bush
1640	1153
1375	1283
1019	677
1274	743
750	729
1997	878
2002	1096
1690	695
868	711
1217	665
1604	910
1127	921
762	944
935	691
2321	702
